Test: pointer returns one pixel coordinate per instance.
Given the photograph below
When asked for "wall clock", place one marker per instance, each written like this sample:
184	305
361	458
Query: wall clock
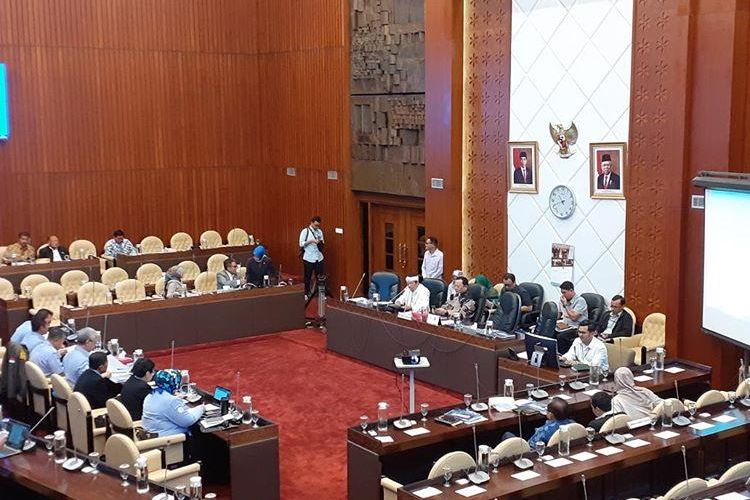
562	202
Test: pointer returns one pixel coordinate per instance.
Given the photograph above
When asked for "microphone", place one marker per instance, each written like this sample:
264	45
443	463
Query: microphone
171	362
478	406
402	423
585	492
28	444
522	462
680	419
478	476
357	287
684	465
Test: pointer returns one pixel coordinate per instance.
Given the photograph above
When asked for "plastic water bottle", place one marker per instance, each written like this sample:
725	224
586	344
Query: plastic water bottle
508	388
594	375
666	416
661	356
61	455
563	445
344	294
196	488
141	474
382	416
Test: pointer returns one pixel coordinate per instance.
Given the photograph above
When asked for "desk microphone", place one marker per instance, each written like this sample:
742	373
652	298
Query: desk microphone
28	444
614	437
171	362
478	406
680	419
478	476
684	465
354	294
522	462
539	393
402	423
164	495
393	299
585	492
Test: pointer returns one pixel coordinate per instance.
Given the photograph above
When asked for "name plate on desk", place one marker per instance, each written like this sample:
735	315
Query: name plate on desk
433	319
405	315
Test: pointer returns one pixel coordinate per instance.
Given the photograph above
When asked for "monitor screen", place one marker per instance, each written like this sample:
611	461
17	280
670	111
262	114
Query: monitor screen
4	116
221	393
17	433
550	357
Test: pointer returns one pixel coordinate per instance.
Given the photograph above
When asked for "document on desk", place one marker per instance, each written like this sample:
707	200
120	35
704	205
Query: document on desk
666	435
525	475
583	456
427	492
636	443
416	431
564	397
470	491
591	392
724	418
609	450
732	496
384	439
558	462
211	407
642	378
701	426
674	369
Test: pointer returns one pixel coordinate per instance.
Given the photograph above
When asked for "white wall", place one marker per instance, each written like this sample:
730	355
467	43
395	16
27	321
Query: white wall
570	60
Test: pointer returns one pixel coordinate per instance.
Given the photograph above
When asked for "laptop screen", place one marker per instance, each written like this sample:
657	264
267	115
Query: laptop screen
221	393
17	433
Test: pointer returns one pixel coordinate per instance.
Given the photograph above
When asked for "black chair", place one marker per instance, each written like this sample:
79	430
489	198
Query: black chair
438	289
508	314
477	293
596	306
536	291
384	283
547	320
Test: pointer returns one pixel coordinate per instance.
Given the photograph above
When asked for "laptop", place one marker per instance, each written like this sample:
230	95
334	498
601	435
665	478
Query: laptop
221	393
17	434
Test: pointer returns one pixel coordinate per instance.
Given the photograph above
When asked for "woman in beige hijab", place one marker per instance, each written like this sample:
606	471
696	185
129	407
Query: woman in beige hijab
635	402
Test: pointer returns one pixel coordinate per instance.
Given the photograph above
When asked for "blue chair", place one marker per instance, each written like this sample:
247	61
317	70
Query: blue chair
384	283
438	289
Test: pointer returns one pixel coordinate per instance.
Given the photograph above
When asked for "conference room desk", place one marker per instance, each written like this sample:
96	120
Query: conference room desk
12	314
153	324
52	270
632	472
376	337
736	486
165	260
409	458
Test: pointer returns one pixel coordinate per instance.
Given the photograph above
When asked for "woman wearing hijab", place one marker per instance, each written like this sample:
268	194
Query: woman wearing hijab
173	282
258	266
635	402
164	413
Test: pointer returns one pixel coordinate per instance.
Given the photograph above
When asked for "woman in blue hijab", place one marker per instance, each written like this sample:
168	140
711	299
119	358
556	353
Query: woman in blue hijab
164	413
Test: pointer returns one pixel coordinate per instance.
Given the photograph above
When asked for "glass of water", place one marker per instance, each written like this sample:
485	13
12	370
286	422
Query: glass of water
467	400
562	382
539	448
363	422
653	418
529	390
425	409
590	433
49	442
494	461
692	409
179	492
124	474
254	415
732	398
94	462
447	475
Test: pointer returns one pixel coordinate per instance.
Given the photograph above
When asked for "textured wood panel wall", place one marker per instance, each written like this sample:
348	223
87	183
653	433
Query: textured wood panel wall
168	115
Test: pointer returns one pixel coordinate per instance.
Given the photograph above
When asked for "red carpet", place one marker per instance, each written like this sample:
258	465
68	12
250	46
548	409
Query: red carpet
313	394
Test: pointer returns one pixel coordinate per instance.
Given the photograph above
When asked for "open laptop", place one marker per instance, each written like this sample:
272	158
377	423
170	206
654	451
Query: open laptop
17	433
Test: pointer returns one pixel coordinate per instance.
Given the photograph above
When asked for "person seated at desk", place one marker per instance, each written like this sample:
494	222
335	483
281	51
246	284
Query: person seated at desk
461	305
95	382
228	277
510	285
163	412
615	322
451	288
119	245
173	282
558	413
415	297
136	388
258	266
77	360
21	250
573	310
601	406
489	290
587	349
54	251
47	355
32	333
635	402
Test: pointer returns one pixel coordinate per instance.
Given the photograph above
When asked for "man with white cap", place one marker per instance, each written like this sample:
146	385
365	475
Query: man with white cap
416	296
452	289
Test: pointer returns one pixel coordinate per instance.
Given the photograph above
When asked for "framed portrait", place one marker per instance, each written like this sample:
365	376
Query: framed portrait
523	167
608	168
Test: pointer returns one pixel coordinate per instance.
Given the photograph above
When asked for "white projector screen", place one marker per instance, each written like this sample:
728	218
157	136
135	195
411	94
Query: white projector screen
726	270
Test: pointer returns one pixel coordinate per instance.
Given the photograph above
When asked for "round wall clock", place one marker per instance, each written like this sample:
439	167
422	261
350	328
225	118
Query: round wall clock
562	202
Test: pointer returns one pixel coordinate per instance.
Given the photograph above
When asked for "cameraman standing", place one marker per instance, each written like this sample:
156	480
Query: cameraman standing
311	250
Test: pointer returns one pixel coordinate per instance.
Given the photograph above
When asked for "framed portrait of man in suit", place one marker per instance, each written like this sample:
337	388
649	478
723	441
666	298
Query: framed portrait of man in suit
523	167
608	164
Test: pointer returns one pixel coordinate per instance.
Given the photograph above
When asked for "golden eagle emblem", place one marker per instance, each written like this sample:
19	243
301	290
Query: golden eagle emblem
564	138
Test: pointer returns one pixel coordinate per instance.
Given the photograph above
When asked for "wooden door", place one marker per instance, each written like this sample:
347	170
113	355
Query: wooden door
397	237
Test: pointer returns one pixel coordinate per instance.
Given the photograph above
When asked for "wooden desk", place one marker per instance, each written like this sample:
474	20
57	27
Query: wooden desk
657	465
53	270
377	336
12	314
165	260
152	324
409	459
736	486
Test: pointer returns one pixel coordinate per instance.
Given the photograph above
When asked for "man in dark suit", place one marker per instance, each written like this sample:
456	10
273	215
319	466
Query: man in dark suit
601	406
95	382
607	179
616	322
53	251
522	175
136	388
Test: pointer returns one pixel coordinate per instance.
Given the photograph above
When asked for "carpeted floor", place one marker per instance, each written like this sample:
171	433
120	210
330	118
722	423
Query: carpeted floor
313	394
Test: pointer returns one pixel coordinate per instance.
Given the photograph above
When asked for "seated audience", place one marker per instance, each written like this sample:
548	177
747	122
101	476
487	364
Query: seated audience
163	412
77	360
21	250
119	245
136	388
510	285
461	305
31	333
95	382
615	322
229	277
173	282
452	289
558	414
47	355
601	406
490	292
416	296
573	310
258	266
635	402
54	251
587	349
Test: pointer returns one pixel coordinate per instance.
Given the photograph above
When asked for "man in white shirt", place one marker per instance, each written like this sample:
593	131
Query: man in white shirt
587	349
311	250
432	262
416	297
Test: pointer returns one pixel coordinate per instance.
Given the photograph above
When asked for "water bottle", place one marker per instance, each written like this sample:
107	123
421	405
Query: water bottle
109	297
59	442
666	416
594	375
196	488
141	474
483	453
247	414
183	290
375	299
508	388
563	445
344	293
72	324
98	340
488	327
266	281
382	416
661	355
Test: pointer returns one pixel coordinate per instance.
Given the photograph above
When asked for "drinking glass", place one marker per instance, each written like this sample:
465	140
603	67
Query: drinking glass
605	374
590	432
494	461
529	390
179	492
94	462
447	475
363	422
653	418
539	448
692	409
254	414
562	382
424	408
467	400
652	360
49	443
732	398
124	474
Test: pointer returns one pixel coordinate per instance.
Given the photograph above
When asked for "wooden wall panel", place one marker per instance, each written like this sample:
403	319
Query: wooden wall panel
178	115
